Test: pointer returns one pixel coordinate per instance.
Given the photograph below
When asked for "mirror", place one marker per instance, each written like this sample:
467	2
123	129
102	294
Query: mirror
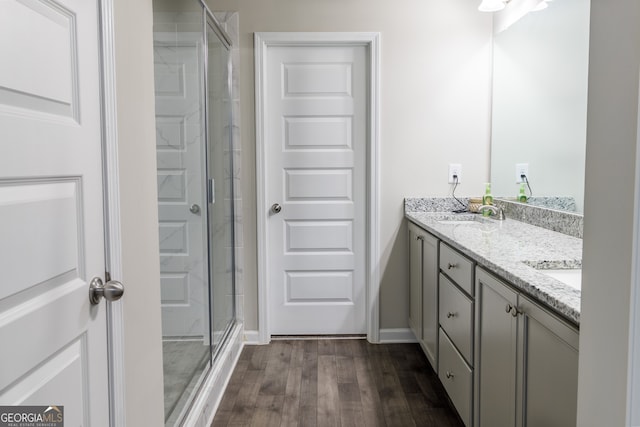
539	116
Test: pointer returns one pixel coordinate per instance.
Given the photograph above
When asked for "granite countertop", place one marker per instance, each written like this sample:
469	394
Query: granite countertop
509	249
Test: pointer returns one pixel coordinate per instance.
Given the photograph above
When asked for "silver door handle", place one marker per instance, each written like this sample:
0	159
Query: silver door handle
194	209
111	291
276	208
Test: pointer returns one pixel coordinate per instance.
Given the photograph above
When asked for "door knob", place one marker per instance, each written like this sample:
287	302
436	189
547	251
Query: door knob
276	208
194	209
111	291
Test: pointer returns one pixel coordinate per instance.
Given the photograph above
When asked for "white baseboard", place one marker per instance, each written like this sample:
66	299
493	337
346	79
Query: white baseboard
398	335
206	404
252	338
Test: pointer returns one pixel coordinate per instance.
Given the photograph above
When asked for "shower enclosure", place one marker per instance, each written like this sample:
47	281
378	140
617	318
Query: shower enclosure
194	131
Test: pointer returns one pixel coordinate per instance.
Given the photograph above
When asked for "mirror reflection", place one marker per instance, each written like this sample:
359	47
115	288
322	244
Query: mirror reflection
540	104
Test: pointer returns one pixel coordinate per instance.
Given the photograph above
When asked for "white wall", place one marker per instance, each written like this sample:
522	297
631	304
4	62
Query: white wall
435	110
609	206
139	213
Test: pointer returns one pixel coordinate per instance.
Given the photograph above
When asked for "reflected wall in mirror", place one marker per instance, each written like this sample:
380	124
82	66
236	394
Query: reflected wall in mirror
540	101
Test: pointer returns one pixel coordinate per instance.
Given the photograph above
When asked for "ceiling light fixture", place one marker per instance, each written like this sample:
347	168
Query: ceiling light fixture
491	5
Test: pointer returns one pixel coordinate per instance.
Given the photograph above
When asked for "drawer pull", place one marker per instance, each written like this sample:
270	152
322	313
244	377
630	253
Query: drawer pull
450	315
450	375
450	266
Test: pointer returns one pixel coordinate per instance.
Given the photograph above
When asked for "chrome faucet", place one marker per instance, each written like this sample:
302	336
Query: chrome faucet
497	211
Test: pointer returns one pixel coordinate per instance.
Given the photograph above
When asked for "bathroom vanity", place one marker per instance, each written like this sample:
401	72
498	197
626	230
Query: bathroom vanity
495	306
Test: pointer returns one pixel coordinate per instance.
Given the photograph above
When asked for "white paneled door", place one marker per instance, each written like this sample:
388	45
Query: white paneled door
53	341
315	146
181	196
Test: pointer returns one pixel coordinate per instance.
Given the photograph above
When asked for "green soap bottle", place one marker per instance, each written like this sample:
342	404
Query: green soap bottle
522	197
487	199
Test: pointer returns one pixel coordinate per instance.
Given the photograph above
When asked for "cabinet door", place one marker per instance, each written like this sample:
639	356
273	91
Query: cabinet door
550	368
415	281
430	298
496	349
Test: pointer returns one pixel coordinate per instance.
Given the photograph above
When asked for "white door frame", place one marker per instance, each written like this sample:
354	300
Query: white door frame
371	41
113	236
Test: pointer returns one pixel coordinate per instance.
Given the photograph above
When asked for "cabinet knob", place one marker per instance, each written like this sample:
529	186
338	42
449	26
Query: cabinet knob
419	238
450	315
450	266
512	309
449	374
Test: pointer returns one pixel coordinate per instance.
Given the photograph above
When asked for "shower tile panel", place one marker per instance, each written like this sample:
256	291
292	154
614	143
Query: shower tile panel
60	374
43	77
40	234
170	133
172	186
174	238
318	236
319	286
326	184
316	133
314	79
169	78
174	288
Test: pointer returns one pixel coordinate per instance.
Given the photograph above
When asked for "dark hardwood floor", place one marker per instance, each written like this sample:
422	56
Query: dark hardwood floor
311	383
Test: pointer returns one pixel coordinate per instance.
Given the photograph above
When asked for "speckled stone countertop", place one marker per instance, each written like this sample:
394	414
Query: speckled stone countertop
509	248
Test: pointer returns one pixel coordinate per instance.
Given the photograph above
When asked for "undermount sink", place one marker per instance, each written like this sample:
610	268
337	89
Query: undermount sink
457	221
461	219
572	277
568	272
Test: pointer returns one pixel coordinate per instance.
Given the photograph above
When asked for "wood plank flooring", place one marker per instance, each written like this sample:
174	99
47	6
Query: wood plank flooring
317	383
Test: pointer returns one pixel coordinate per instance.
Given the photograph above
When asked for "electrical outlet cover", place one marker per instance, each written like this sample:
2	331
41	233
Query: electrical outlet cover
521	169
455	169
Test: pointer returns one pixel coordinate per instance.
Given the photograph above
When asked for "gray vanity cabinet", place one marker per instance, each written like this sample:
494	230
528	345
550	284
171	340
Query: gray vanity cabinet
423	298
415	281
496	352
550	368
526	360
456	318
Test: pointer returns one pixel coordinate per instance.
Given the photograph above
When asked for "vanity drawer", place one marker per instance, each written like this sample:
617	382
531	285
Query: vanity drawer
456	317
457	267
457	378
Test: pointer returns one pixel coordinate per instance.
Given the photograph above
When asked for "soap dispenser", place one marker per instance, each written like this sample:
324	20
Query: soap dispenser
522	197
487	199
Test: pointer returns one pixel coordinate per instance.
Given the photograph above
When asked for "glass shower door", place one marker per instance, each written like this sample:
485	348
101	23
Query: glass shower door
195	196
182	199
221	197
